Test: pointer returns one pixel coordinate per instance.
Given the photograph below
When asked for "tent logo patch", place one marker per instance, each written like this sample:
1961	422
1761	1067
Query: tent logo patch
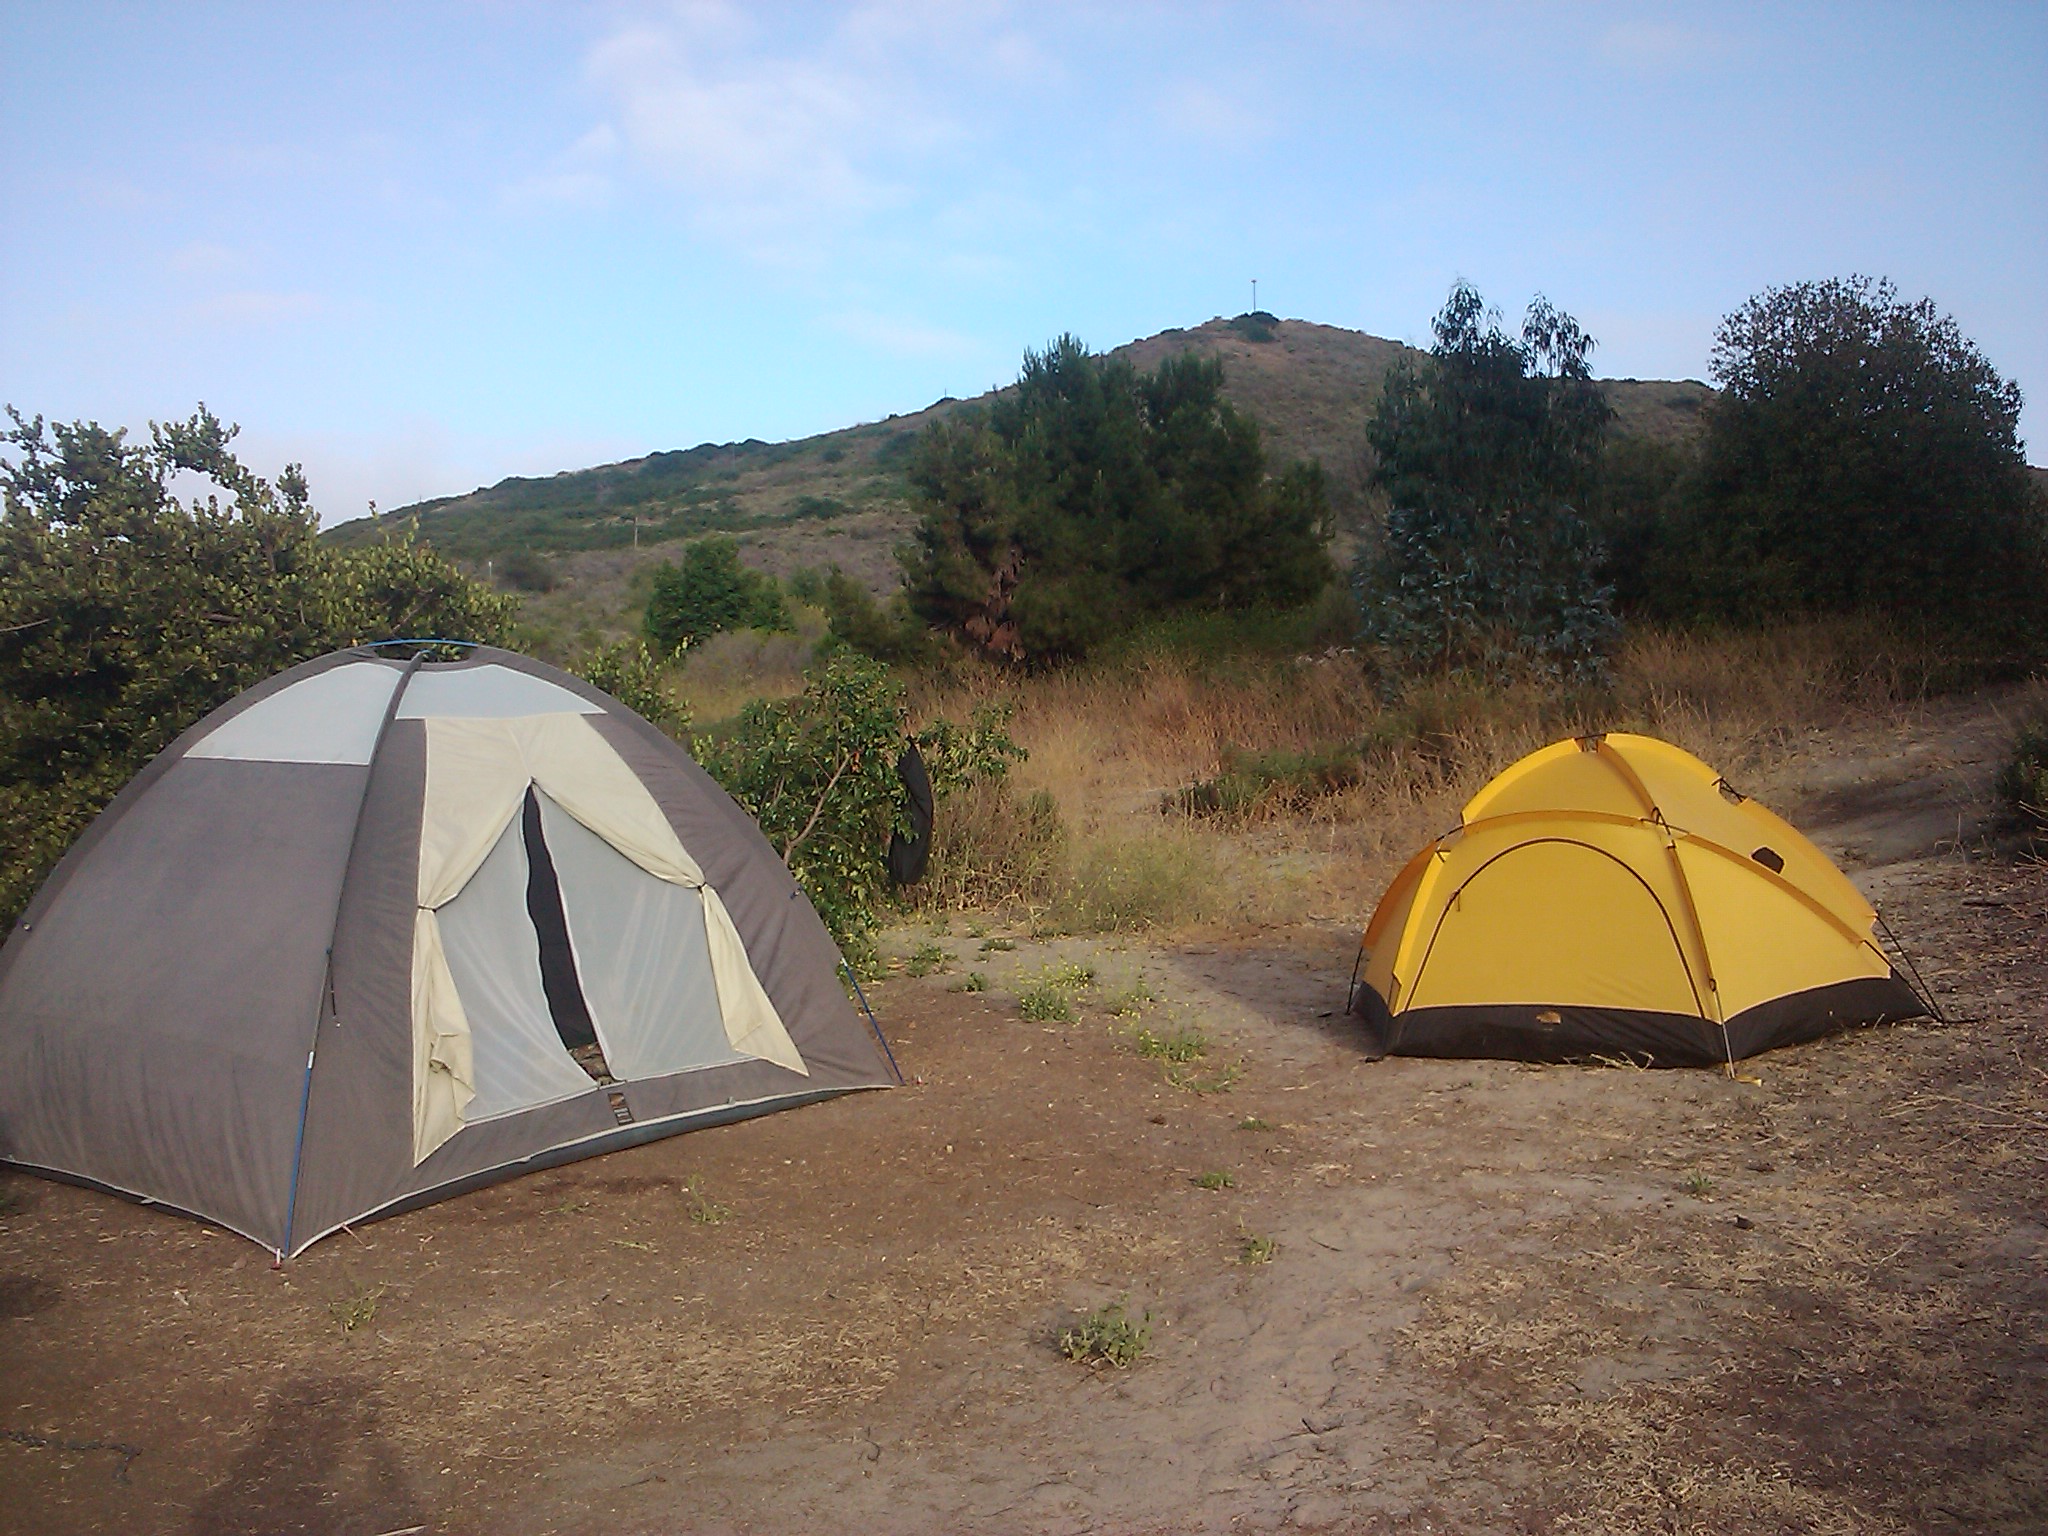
620	1111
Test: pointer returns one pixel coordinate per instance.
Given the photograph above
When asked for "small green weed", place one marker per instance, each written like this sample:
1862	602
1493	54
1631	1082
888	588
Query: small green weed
1256	1249
704	1211
997	946
1182	1045
358	1309
1131	1001
1219	1178
1049	1005
1049	997
1108	1334
1698	1185
975	981
1193	1081
1253	1123
925	959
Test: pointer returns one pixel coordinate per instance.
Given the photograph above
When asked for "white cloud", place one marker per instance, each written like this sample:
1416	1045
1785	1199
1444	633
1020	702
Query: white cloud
581	176
780	145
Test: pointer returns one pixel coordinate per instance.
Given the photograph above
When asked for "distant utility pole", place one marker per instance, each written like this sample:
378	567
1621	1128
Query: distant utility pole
1255	295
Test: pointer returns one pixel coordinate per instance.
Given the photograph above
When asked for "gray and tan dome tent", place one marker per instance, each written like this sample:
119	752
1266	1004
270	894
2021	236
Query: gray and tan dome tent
1613	894
378	930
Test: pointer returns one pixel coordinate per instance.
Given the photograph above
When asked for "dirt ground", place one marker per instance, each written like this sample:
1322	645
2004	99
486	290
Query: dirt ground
1499	1297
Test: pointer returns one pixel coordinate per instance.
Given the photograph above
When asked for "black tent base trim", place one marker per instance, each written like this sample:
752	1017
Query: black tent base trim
1537	1032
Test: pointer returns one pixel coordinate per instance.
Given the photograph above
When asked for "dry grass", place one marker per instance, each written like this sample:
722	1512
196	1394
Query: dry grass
1110	745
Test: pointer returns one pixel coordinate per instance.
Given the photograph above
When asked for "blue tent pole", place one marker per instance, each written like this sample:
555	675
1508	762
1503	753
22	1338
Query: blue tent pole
873	1022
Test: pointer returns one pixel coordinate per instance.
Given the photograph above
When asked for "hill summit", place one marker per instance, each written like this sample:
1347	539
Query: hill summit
1310	387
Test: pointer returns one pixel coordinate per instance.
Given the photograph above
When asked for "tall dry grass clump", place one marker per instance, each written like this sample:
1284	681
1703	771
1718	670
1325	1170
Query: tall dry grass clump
1172	790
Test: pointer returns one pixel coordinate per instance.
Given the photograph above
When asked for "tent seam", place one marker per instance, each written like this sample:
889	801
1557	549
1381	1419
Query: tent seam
333	928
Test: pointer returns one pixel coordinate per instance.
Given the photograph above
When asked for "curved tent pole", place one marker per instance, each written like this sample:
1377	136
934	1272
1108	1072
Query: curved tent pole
1655	817
291	1209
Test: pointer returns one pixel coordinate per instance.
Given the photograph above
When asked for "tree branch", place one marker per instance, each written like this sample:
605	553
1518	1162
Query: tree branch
817	810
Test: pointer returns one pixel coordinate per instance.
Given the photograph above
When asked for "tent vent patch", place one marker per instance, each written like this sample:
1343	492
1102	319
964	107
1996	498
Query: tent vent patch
620	1111
1771	859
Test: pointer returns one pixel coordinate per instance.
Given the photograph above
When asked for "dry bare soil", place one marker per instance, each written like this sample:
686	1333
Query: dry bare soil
1500	1298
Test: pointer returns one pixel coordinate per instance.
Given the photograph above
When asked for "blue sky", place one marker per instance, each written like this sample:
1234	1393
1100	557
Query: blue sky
420	247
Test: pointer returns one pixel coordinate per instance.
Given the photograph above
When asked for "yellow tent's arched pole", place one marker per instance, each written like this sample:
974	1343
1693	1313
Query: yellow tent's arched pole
1628	776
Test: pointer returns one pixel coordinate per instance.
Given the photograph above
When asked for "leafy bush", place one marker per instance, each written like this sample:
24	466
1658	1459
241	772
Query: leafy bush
1486	451
631	673
1092	496
126	614
818	772
711	592
2023	781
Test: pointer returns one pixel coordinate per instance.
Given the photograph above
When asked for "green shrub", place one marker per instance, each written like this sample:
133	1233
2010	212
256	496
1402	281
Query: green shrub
126	614
630	673
886	631
1253	783
709	593
1220	1178
528	570
818	772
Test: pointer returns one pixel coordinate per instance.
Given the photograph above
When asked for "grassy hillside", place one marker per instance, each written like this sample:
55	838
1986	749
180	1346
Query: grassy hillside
1310	387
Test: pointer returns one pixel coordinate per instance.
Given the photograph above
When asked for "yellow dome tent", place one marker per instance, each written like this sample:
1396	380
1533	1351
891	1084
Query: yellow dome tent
1614	895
